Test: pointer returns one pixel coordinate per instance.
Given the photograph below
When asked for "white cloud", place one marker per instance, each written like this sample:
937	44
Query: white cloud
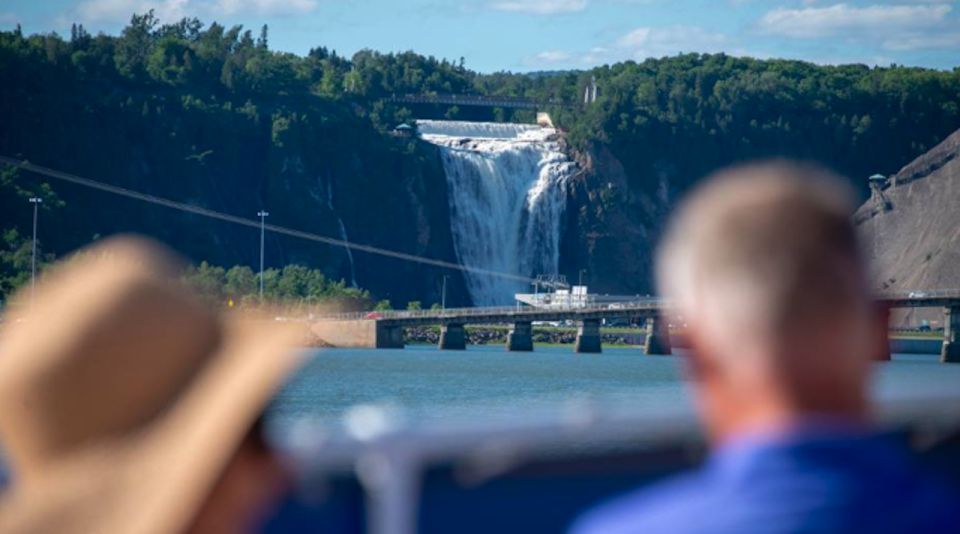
642	43
924	24
846	20
172	10
553	56
101	10
552	7
647	42
267	7
540	7
924	41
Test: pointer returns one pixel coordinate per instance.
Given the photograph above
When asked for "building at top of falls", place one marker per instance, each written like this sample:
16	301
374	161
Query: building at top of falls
506	194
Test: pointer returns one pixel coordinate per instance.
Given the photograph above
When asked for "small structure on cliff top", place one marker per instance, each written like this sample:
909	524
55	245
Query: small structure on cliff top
911	219
404	130
877	184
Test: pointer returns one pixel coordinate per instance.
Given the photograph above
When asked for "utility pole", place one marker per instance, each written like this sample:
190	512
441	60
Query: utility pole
36	201
263	215
581	276
443	293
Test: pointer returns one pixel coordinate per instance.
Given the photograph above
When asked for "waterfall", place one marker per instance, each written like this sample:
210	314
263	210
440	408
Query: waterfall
343	234
506	196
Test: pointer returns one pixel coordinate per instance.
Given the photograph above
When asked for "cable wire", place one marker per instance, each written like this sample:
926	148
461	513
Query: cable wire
197	210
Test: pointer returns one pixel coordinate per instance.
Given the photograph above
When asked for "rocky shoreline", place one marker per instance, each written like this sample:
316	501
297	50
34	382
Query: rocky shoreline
489	335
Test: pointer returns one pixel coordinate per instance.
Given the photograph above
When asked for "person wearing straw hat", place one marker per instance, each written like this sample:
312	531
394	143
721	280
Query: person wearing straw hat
128	406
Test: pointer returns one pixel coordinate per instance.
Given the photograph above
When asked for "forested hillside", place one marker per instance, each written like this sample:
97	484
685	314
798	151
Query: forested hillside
211	116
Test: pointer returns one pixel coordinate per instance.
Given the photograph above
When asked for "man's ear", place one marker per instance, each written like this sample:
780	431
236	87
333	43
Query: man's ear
699	366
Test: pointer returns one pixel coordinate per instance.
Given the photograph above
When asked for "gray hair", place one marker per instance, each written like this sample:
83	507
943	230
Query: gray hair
771	244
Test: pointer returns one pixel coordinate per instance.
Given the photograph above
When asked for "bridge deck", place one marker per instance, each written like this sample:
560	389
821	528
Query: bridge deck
639	309
474	100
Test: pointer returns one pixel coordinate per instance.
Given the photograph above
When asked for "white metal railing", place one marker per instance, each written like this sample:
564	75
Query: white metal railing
639	304
919	294
646	303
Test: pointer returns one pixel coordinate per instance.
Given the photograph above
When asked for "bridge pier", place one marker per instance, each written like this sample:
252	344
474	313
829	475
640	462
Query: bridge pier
658	337
362	333
453	337
520	337
950	352
885	354
388	337
588	337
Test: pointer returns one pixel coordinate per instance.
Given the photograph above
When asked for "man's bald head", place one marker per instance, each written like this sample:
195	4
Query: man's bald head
763	262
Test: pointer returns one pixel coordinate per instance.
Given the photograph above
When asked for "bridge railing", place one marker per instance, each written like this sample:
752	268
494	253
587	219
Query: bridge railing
476	100
454	313
919	294
645	303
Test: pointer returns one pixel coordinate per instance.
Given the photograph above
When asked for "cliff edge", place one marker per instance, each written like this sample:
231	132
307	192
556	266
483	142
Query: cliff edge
911	224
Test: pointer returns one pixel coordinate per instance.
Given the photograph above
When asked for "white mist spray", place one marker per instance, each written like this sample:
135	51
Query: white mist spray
506	196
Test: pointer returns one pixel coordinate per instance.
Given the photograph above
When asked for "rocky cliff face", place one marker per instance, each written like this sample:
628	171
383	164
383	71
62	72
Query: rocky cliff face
315	166
612	228
911	226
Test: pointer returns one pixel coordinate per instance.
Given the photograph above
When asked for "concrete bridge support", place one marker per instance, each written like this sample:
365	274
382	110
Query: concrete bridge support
363	333
453	337
588	337
950	352
886	353
389	337
658	336
520	337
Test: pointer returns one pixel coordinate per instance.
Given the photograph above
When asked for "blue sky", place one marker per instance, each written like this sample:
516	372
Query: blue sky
524	35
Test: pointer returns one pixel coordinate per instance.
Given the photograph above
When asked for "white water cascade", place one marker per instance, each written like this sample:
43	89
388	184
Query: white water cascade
343	234
506	195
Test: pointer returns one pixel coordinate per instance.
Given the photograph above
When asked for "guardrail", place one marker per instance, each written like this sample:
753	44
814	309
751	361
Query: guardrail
453	313
476	100
614	307
920	294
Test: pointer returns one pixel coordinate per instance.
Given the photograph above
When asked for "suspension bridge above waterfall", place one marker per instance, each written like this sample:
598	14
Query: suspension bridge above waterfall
478	101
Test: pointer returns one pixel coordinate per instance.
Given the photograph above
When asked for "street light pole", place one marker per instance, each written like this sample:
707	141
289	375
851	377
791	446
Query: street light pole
263	215
36	201
443	293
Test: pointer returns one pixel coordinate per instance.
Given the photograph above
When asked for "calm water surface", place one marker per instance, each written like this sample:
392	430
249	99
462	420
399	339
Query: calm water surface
486	384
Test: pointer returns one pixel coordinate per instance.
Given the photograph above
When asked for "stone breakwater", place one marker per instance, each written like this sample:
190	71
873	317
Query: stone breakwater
485	335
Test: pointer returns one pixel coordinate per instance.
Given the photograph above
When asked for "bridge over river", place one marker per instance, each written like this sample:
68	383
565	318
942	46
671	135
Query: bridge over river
385	329
508	102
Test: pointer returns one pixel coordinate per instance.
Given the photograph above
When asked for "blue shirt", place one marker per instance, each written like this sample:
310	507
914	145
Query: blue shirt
794	482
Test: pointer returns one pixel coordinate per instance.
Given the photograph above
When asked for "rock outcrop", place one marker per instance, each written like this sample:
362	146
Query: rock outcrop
911	226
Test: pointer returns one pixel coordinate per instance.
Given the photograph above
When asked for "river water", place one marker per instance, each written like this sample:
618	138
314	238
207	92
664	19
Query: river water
485	384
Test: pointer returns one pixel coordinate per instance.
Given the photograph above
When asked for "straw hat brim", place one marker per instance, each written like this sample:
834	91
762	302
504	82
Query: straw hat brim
154	481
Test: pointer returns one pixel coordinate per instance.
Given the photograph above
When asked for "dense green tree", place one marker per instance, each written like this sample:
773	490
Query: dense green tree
240	281
16	254
211	115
